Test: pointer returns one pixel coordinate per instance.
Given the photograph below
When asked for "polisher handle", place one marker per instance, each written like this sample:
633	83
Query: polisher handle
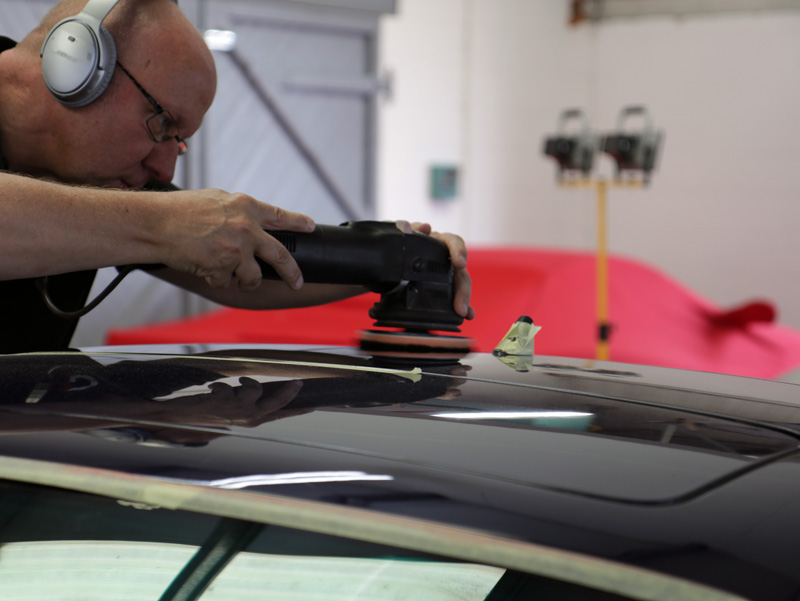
374	254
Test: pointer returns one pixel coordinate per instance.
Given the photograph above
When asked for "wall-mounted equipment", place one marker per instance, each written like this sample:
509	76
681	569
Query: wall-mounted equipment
574	152
635	150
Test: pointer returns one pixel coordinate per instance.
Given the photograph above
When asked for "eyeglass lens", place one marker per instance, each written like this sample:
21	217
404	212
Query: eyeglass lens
162	127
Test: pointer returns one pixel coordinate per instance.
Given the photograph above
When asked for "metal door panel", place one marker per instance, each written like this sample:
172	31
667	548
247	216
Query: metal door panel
318	67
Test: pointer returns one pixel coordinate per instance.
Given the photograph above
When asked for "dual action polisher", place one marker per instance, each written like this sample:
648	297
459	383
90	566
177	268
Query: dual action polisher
411	272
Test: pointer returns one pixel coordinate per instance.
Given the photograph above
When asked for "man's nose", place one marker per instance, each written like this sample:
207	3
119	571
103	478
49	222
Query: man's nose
161	160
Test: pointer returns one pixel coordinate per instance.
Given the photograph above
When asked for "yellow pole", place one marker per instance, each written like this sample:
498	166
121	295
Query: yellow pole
603	329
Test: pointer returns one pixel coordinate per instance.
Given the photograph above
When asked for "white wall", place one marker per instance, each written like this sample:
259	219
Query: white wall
481	82
425	120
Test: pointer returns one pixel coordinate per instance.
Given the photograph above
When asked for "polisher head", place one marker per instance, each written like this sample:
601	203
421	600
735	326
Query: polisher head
414	344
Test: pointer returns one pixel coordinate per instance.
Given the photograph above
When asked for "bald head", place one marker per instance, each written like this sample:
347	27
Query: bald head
144	31
167	65
125	17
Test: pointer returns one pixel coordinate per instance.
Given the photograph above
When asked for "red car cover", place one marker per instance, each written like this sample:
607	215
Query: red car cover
654	319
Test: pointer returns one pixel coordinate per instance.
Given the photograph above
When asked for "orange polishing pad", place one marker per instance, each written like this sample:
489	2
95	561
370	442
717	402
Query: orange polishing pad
423	344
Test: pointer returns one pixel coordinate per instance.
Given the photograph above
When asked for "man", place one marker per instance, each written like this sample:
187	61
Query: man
207	239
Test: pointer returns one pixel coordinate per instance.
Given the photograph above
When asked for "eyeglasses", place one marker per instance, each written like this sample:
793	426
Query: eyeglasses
162	125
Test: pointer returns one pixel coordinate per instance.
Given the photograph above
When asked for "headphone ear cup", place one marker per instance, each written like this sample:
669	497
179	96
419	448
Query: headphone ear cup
102	77
70	57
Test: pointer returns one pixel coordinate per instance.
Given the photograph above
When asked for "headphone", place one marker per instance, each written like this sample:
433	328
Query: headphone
79	55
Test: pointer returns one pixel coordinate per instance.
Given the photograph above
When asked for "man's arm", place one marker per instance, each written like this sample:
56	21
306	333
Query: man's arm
269	295
48	228
207	239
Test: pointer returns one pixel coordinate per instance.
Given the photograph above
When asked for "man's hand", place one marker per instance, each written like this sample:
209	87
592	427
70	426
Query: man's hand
458	256
222	234
247	405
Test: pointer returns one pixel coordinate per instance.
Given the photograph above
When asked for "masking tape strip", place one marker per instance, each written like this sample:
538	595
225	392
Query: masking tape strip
415	375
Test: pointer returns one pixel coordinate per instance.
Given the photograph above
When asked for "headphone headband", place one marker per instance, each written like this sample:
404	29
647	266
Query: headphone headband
99	9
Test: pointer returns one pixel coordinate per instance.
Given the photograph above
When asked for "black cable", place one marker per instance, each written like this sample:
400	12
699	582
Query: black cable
41	284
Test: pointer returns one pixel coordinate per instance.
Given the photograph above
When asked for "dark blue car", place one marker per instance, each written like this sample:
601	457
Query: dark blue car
219	473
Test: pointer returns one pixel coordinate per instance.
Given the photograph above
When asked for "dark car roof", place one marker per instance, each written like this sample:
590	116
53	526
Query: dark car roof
659	468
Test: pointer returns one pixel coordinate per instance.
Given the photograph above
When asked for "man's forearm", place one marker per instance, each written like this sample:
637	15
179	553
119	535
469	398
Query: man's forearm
48	228
270	294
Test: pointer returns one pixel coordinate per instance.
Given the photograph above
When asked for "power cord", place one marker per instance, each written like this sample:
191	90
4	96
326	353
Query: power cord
41	284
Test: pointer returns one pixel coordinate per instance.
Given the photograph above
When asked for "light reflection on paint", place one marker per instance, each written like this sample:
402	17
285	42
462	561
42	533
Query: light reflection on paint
295	478
512	415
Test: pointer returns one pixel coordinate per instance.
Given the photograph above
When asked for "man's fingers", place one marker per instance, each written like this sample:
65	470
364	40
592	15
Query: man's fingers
219	279
282	397
276	218
273	252
265	215
456	246
463	291
249	390
248	275
404	226
462	281
424	228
